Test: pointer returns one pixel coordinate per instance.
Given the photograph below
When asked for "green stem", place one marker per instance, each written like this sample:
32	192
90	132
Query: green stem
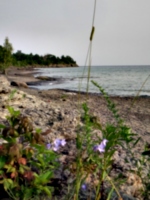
113	185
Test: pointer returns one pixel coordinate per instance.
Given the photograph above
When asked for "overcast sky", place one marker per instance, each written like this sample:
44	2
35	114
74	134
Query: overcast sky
62	27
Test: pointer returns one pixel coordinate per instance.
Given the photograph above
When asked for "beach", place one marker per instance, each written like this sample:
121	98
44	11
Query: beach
58	113
134	110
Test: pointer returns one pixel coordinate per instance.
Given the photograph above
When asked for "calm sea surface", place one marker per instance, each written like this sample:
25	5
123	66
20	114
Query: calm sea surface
116	80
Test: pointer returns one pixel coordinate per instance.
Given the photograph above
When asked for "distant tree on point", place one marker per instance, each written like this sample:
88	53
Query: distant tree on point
7	53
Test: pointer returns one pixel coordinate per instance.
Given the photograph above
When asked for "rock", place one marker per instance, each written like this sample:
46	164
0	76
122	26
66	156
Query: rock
46	78
127	197
66	173
18	84
133	186
123	196
4	90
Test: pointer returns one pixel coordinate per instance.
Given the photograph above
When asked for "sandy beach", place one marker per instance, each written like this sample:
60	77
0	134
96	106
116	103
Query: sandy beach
59	110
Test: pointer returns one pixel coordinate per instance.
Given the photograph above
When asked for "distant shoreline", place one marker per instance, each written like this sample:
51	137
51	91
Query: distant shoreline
27	75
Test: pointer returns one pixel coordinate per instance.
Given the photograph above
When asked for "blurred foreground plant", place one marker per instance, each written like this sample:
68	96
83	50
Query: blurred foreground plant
26	165
95	153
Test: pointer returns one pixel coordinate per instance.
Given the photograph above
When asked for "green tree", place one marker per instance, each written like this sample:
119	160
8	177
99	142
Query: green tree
1	54
7	53
67	60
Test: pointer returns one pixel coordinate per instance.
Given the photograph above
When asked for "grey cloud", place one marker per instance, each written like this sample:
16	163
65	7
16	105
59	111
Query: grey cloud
63	27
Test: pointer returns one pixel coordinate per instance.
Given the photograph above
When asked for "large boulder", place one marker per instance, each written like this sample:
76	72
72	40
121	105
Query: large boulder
18	84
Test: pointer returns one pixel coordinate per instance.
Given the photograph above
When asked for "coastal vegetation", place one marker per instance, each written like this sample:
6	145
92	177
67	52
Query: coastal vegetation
20	59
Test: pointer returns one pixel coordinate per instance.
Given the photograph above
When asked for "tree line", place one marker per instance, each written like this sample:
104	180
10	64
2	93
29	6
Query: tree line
20	59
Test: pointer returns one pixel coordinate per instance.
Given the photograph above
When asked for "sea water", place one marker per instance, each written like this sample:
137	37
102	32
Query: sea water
116	80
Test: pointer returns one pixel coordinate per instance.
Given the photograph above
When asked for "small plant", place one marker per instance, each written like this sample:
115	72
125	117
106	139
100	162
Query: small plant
142	163
24	95
26	164
64	97
11	96
95	154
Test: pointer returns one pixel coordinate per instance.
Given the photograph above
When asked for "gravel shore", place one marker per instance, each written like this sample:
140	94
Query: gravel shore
58	112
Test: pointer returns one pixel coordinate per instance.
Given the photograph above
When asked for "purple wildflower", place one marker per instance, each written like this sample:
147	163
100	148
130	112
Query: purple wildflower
101	146
48	146
63	142
83	186
58	143
104	142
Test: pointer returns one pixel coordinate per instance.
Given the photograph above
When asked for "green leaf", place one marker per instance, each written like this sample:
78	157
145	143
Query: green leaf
21	170
104	174
138	139
43	178
12	94
1	172
11	110
41	161
8	184
2	126
27	192
110	194
2	161
47	190
11	169
39	147
38	130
